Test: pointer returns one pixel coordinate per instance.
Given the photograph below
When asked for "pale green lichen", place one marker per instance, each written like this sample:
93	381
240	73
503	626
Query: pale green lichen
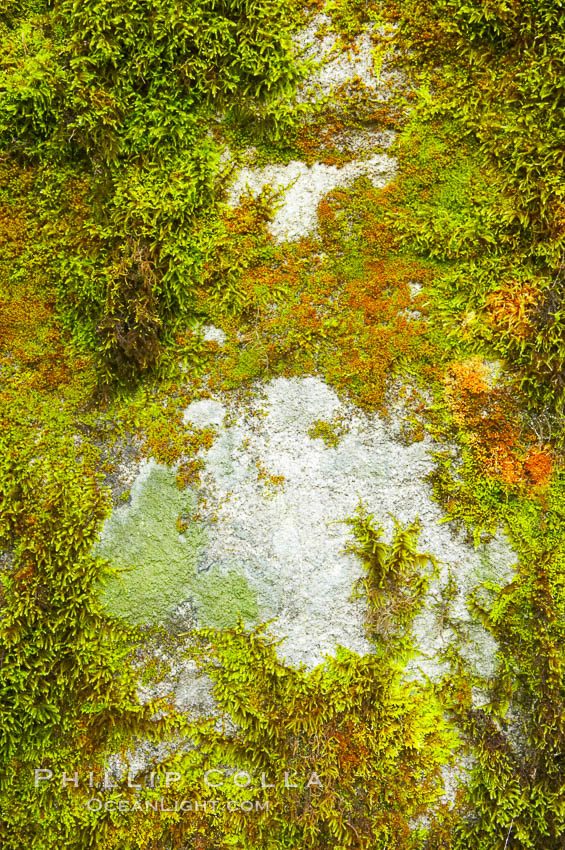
158	566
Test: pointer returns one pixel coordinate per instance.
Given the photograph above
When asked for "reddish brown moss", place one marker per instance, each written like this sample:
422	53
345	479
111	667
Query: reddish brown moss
491	423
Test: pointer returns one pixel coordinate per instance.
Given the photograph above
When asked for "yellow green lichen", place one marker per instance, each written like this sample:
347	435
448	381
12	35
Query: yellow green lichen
158	566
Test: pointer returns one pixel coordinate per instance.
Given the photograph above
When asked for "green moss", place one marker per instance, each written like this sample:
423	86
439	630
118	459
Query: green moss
249	366
159	566
475	216
330	432
353	720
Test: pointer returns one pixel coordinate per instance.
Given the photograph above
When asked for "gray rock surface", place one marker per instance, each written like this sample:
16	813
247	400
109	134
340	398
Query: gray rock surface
287	538
304	187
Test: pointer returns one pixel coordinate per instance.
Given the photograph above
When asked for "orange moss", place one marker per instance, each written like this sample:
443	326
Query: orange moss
538	466
32	342
380	334
466	390
167	439
488	417
188	473
339	305
509	308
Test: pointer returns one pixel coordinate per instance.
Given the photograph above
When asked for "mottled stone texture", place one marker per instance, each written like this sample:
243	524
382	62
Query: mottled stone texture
273	545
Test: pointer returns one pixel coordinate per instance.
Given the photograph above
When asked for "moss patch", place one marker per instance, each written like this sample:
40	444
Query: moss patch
330	432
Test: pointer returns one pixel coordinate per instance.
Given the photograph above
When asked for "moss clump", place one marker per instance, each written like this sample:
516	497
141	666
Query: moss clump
330	432
360	746
113	103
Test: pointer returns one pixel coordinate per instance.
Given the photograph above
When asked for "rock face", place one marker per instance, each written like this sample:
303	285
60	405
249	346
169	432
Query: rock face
334	64
264	537
304	187
270	540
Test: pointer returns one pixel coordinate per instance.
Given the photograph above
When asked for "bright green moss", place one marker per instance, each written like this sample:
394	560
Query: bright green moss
330	432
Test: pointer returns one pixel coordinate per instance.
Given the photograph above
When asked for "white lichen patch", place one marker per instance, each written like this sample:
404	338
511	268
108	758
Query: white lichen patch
281	497
211	333
303	187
